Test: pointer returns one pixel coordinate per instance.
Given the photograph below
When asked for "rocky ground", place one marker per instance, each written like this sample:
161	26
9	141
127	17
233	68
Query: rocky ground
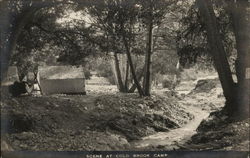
90	122
217	132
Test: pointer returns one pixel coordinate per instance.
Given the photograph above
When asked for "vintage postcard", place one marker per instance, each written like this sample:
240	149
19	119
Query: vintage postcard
125	78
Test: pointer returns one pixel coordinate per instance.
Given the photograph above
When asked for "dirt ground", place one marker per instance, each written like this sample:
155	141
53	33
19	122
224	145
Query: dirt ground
107	120
217	132
87	122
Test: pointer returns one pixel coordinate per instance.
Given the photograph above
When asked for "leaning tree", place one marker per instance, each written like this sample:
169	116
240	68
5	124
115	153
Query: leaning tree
221	26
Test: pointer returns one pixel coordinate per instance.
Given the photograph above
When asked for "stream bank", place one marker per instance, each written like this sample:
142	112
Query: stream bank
88	122
200	98
173	139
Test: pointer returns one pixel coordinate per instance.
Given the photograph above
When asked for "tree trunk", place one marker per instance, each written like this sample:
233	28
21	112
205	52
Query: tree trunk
133	87
11	26
146	81
240	19
126	84
137	83
118	74
12	22
218	53
175	80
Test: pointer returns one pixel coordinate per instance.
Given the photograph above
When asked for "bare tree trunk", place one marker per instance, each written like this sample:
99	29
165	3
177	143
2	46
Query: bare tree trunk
11	31
137	83
133	87
118	74
218	53
240	18
146	81
126	84
175	80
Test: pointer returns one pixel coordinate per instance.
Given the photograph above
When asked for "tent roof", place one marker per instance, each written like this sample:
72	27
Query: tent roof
60	72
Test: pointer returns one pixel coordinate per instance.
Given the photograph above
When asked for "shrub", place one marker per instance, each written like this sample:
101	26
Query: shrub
111	80
167	84
104	69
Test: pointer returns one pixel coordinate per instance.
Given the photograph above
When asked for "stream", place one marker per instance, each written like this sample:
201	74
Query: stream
174	138
180	135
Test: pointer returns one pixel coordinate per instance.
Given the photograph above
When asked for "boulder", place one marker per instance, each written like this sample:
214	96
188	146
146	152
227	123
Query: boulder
205	85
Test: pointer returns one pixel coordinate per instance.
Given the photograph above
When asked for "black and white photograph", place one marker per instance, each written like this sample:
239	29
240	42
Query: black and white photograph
125	78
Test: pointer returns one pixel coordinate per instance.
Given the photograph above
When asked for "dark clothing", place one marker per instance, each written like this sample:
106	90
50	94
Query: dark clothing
17	89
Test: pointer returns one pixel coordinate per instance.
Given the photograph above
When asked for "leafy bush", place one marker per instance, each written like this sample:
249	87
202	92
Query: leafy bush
167	84
111	80
170	82
189	74
104	69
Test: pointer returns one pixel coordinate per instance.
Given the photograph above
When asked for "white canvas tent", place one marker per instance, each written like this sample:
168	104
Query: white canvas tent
12	76
61	80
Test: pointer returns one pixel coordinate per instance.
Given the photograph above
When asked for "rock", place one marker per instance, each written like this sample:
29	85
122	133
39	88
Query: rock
205	85
247	124
235	126
123	141
141	106
114	137
56	105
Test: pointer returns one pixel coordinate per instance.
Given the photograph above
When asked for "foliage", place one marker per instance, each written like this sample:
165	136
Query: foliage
101	28
167	84
191	41
104	69
45	41
165	63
